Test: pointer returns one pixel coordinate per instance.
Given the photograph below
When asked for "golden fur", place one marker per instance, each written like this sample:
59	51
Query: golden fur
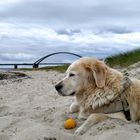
97	89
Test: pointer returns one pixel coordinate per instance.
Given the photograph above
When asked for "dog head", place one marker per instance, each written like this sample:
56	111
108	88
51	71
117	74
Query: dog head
83	73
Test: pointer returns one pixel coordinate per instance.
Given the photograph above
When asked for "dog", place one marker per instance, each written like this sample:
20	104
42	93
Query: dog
100	92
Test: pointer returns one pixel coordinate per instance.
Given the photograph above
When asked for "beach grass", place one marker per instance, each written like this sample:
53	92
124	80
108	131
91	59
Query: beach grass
124	60
61	68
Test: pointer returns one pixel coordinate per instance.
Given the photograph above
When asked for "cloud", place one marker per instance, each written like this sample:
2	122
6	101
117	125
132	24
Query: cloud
29	43
114	30
34	28
68	31
89	14
15	57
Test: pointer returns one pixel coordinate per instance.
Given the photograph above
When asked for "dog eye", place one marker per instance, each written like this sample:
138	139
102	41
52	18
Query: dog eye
71	74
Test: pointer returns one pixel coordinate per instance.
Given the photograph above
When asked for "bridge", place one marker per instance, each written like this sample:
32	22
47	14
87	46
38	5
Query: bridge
38	62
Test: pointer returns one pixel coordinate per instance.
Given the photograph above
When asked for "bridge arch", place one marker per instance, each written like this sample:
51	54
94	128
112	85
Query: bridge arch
36	63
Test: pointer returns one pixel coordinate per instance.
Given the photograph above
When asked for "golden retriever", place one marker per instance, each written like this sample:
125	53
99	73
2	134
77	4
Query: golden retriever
100	92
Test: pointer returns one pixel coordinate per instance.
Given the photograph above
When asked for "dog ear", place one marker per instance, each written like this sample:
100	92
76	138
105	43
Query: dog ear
99	72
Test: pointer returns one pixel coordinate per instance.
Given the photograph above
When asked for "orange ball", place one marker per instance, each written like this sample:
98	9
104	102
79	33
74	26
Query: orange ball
70	123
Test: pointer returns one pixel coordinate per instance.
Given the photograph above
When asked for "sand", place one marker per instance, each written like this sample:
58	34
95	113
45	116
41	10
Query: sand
31	109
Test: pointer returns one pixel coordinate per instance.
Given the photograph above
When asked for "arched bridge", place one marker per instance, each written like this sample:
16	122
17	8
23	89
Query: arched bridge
36	63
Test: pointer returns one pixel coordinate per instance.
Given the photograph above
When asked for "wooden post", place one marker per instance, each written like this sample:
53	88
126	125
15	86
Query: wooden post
35	65
15	66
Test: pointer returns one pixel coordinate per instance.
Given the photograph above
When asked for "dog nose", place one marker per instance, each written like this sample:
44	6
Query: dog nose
58	86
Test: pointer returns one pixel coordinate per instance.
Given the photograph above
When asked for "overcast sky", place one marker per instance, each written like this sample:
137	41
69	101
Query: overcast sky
30	29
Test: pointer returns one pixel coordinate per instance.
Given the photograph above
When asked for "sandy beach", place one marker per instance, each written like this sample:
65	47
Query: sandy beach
31	109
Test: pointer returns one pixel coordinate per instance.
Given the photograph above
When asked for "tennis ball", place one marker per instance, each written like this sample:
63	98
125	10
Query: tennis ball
70	123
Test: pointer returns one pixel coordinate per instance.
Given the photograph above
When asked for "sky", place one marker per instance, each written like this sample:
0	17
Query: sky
30	29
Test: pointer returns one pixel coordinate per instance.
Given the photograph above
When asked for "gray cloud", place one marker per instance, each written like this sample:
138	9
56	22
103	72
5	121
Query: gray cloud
77	13
35	28
119	30
114	29
68	32
16	57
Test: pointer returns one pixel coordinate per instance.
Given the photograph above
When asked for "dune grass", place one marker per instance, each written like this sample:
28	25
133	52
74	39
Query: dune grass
62	68
124	59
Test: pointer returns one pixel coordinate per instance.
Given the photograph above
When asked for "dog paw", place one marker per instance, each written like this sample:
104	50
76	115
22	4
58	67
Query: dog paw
73	108
79	132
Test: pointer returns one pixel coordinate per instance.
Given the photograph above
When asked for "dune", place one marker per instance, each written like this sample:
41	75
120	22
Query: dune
31	109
